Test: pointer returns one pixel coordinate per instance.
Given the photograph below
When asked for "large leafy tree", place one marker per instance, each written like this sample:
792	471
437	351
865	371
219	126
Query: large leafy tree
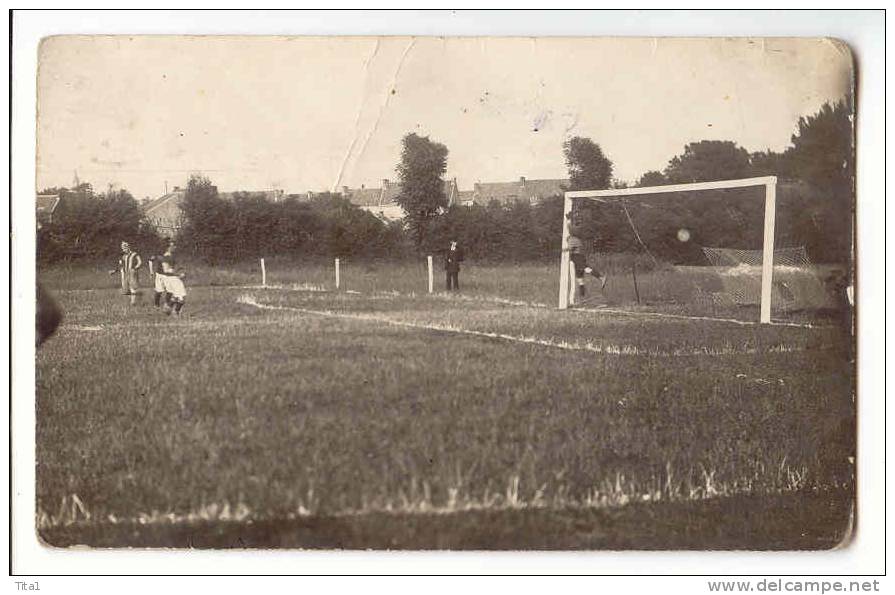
771	163
822	152
589	168
822	156
652	178
210	224
423	163
709	160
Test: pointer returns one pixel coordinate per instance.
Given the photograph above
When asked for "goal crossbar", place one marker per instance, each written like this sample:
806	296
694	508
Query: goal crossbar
566	285
719	184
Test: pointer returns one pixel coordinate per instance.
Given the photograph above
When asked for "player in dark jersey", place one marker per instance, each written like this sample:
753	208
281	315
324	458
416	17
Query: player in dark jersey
155	266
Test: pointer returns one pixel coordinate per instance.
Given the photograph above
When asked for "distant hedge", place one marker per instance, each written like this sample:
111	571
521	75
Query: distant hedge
248	226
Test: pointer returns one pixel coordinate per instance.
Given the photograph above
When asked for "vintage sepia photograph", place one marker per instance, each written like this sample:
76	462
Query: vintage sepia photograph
445	293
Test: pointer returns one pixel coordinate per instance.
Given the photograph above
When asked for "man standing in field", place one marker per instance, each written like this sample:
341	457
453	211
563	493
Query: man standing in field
128	266
171	282
452	259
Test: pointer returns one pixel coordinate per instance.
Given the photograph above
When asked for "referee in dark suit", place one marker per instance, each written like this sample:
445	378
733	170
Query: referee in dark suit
452	259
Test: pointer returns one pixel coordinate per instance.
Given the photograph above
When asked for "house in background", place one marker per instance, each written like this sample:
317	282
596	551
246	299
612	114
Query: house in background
524	190
46	206
464	198
382	201
164	213
366	198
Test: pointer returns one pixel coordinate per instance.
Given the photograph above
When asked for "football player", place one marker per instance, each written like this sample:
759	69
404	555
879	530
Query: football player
128	265
171	282
579	259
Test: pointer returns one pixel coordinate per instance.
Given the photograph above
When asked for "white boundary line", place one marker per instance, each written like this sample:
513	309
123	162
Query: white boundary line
510	302
168	324
507	302
699	318
80	328
587	346
522	303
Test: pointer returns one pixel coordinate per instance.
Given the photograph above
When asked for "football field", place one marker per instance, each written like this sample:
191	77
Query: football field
380	416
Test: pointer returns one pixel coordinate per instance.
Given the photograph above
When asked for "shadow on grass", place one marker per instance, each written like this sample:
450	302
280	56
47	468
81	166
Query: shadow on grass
795	521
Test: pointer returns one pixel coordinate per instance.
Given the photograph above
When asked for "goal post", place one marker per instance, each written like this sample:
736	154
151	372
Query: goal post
566	289
566	280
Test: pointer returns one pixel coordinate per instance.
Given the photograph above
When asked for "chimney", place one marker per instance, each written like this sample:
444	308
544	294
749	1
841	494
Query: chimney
522	181
384	183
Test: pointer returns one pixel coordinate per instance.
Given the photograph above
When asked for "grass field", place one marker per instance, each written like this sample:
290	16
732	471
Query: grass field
691	291
380	416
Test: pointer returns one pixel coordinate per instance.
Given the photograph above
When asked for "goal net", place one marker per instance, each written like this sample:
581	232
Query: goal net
692	249
796	285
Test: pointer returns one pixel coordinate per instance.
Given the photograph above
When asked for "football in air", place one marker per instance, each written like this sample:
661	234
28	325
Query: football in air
683	235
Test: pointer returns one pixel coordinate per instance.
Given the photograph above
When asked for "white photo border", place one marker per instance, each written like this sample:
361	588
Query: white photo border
862	30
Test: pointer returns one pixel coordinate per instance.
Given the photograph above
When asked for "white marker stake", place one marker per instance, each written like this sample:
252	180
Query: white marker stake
431	277
263	274
338	281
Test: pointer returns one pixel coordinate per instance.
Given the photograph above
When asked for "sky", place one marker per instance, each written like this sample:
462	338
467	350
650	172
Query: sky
314	113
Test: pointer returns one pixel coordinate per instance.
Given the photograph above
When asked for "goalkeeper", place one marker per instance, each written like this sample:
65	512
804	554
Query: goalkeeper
575	248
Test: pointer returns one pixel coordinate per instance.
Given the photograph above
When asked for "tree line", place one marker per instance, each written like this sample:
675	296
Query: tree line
249	226
815	205
89	226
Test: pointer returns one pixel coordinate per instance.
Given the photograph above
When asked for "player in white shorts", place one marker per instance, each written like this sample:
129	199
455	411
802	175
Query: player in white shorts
170	281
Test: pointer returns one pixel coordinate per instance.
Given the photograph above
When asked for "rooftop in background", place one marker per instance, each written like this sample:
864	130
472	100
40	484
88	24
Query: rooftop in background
388	192
275	195
525	190
154	203
46	205
483	193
